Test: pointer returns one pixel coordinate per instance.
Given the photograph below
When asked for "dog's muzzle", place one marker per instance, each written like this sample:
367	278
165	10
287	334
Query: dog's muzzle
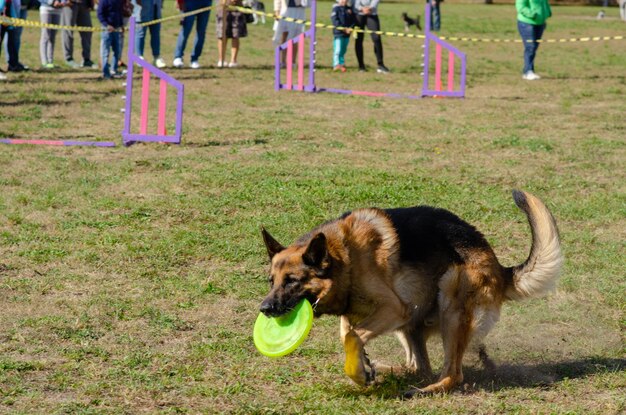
270	308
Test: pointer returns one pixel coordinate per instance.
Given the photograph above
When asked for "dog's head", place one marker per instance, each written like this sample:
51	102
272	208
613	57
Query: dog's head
299	271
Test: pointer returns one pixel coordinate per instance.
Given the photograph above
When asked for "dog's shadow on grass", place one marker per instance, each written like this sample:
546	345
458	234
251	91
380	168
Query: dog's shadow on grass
504	376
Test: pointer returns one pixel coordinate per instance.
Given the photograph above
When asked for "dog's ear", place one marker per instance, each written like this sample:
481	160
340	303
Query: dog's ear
272	245
316	252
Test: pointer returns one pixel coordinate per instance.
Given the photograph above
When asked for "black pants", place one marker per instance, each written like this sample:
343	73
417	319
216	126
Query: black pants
372	23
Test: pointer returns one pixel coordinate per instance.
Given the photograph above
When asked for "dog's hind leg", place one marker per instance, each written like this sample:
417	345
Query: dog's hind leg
456	330
469	306
484	320
484	358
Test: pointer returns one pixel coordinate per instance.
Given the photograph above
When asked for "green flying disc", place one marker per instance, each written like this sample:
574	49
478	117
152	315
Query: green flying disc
279	336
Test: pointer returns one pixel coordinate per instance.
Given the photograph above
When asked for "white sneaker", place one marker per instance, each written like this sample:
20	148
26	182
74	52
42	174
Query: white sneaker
178	63
72	64
530	76
220	64
159	63
233	64
195	65
3	77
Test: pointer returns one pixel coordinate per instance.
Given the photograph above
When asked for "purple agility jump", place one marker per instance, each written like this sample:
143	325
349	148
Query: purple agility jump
161	135
454	55
58	142
289	46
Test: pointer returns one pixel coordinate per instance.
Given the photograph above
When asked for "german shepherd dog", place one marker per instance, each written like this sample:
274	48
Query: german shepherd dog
413	271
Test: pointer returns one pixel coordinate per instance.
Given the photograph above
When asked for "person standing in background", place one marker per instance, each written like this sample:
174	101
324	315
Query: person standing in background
230	24
147	11
110	15
285	30
78	13
202	21
14	62
127	12
9	8
435	15
49	13
531	23
367	16
341	15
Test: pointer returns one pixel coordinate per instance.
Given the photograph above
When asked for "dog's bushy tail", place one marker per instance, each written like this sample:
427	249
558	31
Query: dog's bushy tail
538	274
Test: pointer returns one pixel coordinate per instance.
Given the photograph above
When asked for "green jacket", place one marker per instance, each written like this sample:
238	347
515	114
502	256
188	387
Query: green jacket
534	12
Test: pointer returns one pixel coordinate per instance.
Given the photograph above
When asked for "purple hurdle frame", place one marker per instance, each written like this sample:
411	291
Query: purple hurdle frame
58	142
298	42
311	87
165	80
452	53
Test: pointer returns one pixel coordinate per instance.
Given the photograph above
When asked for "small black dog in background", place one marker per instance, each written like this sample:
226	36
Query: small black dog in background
408	22
257	6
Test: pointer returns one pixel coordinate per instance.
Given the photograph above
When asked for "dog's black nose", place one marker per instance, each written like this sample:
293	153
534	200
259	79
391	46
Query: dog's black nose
267	307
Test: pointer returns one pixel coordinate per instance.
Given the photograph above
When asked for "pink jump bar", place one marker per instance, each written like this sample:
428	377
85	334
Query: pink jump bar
438	67
301	62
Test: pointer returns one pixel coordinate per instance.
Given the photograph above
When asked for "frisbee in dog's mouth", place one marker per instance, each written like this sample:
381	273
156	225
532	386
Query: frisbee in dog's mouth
279	336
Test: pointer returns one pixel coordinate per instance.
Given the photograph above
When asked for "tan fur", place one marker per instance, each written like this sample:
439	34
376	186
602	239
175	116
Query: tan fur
351	267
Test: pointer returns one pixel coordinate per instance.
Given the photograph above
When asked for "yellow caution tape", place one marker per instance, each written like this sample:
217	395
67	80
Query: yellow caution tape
12	21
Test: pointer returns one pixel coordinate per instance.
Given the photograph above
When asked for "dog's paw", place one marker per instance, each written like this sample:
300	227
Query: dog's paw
370	370
358	366
411	393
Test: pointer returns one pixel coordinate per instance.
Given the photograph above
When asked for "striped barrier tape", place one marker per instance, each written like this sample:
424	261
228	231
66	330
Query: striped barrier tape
11	21
418	36
565	40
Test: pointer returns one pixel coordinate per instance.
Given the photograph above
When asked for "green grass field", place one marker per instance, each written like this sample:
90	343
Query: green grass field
130	278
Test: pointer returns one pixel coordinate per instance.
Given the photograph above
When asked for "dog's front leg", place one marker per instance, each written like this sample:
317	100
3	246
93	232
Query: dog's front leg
357	366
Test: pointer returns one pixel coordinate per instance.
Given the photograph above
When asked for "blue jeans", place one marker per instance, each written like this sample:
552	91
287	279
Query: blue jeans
202	20
110	40
340	45
435	15
17	40
11	43
149	11
530	34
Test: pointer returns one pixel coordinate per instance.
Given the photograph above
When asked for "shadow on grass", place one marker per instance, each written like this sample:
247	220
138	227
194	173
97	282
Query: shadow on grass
28	101
216	143
505	376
